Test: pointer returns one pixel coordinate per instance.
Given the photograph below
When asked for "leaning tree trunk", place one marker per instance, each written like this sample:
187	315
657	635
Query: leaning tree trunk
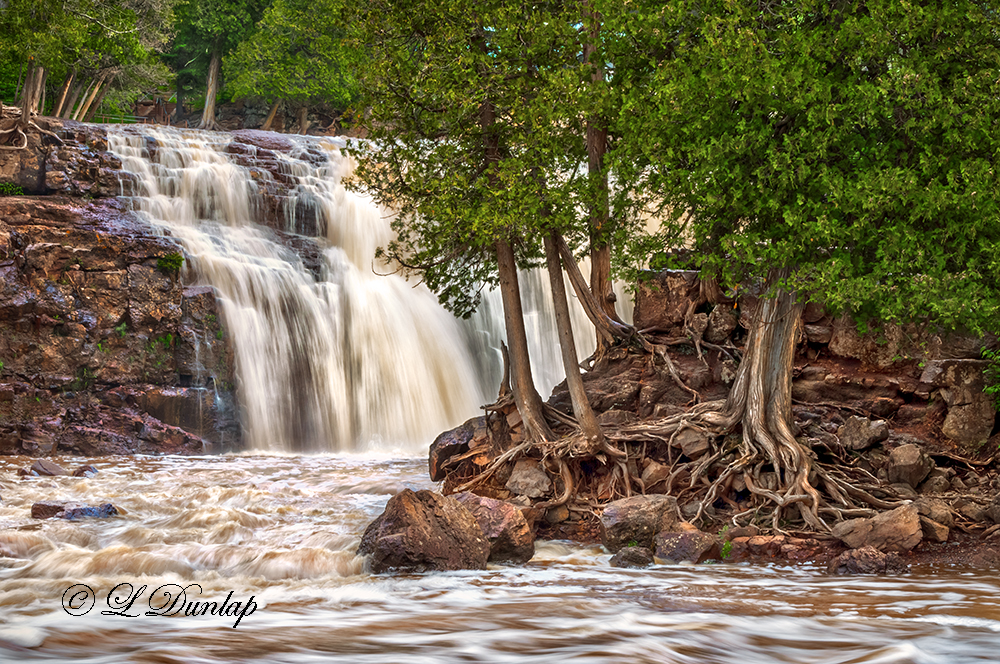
585	417
526	397
88	101
63	94
70	104
273	113
89	117
40	81
211	90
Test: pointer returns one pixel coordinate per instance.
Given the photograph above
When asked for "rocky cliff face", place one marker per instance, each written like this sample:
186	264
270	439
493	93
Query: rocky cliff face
102	348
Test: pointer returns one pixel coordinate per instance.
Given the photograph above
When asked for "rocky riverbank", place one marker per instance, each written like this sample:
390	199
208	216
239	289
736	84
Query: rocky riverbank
902	408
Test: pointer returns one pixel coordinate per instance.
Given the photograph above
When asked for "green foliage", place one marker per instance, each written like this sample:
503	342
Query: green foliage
10	189
170	264
298	53
851	142
122	329
84	379
727	549
992	373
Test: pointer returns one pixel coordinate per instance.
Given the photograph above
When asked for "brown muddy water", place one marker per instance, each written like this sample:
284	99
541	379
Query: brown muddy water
283	530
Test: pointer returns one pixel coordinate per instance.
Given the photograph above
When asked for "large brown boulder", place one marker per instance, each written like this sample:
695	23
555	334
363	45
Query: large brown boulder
422	531
896	530
451	443
635	521
506	529
690	547
867	560
860	433
908	464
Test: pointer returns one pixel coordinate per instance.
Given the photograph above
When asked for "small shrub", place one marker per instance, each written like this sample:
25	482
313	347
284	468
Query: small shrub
122	330
170	264
10	189
992	373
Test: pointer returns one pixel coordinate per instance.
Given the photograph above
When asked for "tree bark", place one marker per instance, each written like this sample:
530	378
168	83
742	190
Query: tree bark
97	102
271	115
211	90
40	92
608	328
70	103
304	120
529	403
63	94
581	404
85	105
28	92
761	400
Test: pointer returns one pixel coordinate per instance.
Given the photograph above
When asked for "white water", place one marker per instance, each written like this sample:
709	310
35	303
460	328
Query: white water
353	360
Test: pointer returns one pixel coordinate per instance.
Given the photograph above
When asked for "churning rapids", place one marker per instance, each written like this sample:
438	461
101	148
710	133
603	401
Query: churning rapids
283	529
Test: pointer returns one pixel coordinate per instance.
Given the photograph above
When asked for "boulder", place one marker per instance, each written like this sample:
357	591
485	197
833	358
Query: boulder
505	528
696	547
693	443
46	467
721	323
867	560
422	531
933	531
85	470
860	433
71	510
993	511
971	510
935	484
635	521
632	556
896	530
971	414
908	464
654	473
528	479
449	444
935	509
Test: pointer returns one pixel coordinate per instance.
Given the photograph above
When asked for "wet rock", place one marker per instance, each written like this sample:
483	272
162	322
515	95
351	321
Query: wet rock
867	560
632	556
696	547
556	514
933	531
635	521
423	531
72	510
504	526
860	433
895	530
908	464
935	509
528	479
729	534
85	470
449	444
46	467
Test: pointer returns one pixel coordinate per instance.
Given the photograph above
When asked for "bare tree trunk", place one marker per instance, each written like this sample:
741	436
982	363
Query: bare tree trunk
20	75
67	110
97	102
303	119
581	404
63	94
529	403
28	98
608	328
40	91
179	108
271	115
761	399
211	90
85	105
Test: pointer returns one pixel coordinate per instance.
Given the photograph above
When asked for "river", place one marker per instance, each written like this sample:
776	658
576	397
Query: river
283	530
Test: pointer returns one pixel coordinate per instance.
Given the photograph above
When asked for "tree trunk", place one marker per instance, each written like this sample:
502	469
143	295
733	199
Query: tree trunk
529	403
581	404
28	92
303	119
273	113
97	102
40	92
607	327
63	94
70	103
179	108
211	89
761	400
81	112
599	209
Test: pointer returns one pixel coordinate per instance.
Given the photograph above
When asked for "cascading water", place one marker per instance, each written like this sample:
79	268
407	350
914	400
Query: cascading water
337	358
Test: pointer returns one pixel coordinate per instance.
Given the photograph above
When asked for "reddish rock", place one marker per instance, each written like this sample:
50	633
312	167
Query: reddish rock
908	464
692	547
46	467
85	470
424	531
933	531
503	524
632	556
72	510
867	560
449	444
528	479
635	521
895	530
860	433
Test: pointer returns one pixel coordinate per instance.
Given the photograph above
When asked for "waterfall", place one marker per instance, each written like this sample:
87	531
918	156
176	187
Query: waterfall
331	357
